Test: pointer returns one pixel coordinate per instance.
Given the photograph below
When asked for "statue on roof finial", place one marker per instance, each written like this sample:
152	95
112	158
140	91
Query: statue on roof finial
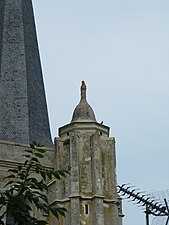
83	111
83	90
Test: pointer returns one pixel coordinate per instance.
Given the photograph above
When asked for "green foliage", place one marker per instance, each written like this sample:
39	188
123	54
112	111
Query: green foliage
26	186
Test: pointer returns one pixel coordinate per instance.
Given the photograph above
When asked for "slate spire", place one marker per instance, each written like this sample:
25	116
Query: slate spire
23	110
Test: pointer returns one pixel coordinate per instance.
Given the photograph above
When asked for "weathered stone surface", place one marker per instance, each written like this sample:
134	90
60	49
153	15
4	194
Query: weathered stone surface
23	114
83	111
75	210
11	154
85	147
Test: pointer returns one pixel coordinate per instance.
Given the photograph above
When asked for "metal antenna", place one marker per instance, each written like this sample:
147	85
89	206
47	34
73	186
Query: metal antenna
153	207
167	208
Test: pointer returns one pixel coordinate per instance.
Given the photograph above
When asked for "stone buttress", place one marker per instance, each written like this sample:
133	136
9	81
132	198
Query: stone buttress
85	149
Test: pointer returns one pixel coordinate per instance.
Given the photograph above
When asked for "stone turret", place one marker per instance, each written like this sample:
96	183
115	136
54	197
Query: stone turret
86	150
23	110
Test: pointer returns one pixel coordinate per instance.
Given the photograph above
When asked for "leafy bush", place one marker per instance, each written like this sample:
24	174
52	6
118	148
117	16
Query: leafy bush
26	187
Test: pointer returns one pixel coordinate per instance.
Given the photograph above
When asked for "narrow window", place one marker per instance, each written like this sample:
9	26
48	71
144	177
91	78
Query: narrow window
86	209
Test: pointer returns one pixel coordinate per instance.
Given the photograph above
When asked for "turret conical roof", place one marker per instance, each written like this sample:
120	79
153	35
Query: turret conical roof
83	111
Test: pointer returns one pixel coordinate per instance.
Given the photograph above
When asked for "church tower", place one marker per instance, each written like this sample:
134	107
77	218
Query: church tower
86	150
83	147
23	110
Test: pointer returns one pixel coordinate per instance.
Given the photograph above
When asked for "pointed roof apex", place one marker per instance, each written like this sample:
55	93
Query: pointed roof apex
83	111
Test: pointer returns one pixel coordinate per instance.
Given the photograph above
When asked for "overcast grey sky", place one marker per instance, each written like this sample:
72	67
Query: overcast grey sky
121	49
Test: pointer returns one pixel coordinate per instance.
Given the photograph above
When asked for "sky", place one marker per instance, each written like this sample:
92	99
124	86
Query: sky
121	49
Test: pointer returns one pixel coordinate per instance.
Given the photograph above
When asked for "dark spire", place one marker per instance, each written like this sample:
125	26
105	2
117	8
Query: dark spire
83	111
23	110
